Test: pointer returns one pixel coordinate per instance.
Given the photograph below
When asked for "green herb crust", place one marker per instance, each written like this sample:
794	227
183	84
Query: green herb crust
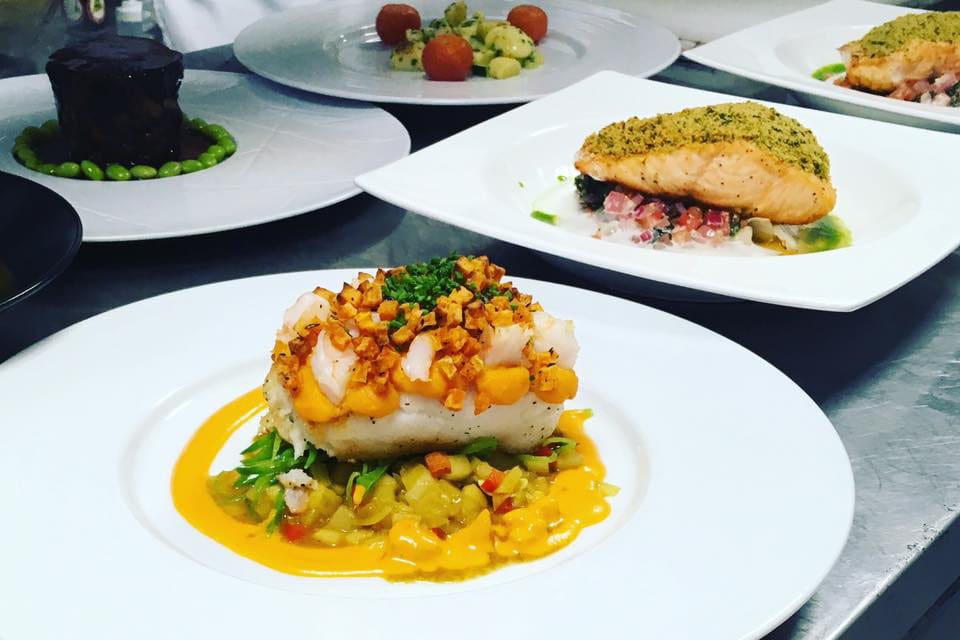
783	137
934	26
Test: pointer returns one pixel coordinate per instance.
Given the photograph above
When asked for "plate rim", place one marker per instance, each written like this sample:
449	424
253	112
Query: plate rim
40	349
40	80
241	42
57	268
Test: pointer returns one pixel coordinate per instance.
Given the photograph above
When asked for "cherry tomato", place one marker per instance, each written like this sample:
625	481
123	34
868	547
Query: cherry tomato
447	57
530	19
394	20
293	531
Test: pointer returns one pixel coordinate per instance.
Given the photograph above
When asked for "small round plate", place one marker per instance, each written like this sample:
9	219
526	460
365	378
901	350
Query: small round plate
296	153
736	493
332	48
39	235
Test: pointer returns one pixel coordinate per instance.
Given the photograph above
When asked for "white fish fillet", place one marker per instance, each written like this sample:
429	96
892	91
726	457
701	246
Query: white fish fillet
418	426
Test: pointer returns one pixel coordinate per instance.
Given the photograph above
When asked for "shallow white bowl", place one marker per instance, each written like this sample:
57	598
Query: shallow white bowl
737	494
892	184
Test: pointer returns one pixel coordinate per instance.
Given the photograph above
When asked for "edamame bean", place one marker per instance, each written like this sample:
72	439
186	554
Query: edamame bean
21	140
32	133
169	169
25	154
50	127
198	123
206	160
228	144
48	168
189	166
118	172
67	170
143	172
91	170
33	165
217	152
215	131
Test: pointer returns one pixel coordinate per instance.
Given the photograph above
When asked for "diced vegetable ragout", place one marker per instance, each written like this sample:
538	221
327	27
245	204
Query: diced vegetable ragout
343	503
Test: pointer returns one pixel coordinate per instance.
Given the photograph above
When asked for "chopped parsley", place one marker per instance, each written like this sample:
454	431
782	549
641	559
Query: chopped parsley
423	282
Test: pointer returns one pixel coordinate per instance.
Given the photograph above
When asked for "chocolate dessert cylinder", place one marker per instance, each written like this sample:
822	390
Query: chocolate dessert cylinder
117	100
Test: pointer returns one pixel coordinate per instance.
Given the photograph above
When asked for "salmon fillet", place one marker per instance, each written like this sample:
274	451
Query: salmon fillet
911	47
739	156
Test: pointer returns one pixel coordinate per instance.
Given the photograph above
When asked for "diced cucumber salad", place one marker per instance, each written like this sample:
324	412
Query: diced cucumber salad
500	50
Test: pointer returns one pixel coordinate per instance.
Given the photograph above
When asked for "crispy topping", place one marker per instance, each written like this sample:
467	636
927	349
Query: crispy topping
933	26
783	137
458	301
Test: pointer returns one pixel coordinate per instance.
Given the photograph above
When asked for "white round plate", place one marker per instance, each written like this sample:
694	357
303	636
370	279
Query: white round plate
333	48
737	495
296	153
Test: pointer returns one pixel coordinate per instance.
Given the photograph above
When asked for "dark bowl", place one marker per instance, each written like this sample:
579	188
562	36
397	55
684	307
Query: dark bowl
40	233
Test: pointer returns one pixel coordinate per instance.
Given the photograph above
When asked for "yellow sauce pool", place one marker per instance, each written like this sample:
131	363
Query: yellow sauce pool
575	501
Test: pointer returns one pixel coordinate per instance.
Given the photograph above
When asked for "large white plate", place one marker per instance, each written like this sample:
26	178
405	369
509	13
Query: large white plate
296	153
889	179
785	51
333	48
737	495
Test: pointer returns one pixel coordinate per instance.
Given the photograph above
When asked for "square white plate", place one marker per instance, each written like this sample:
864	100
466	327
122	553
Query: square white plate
786	51
892	184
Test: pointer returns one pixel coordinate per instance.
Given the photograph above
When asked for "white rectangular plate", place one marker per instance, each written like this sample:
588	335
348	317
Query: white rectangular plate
786	51
893	186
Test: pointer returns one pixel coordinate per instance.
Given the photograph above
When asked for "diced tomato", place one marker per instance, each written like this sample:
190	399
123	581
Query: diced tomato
438	464
546	450
714	218
440	533
493	481
690	219
505	506
293	531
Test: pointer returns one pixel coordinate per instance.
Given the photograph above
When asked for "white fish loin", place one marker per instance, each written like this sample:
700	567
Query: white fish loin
419	425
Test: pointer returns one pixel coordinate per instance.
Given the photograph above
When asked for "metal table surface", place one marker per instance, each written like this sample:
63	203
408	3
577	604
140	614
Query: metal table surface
888	376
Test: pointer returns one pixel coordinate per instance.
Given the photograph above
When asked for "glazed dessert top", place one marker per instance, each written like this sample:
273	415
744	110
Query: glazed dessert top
934	26
435	328
115	53
783	137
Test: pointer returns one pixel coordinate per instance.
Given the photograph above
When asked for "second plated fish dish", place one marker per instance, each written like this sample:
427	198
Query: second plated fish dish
915	57
708	176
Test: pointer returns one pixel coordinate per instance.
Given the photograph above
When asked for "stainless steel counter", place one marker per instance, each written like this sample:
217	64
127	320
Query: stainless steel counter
888	375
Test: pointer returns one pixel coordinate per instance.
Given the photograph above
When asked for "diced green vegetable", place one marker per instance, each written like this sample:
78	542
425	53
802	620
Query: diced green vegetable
827	71
543	216
826	233
480	447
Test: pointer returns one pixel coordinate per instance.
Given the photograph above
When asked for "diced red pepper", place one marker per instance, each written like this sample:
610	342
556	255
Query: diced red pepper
544	451
493	481
438	464
505	506
440	533
293	531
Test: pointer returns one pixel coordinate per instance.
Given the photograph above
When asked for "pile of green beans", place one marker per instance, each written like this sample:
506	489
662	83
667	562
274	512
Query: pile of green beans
223	146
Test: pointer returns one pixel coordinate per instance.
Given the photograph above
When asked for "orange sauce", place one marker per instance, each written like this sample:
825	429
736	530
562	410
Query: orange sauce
410	550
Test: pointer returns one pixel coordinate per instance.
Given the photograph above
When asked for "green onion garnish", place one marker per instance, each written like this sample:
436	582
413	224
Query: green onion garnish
543	216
